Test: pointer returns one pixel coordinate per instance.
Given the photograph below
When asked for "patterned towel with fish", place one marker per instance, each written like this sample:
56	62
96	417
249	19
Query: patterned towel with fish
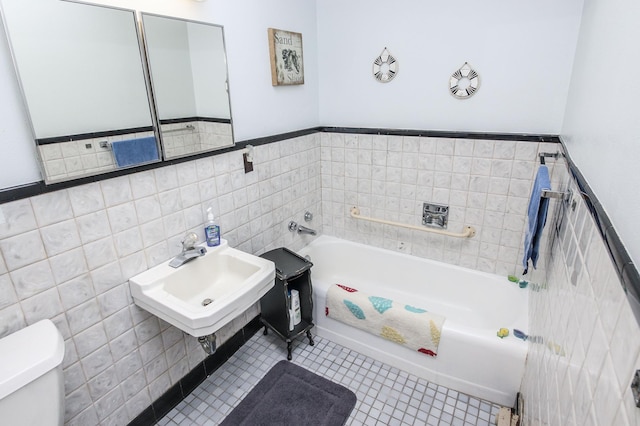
406	325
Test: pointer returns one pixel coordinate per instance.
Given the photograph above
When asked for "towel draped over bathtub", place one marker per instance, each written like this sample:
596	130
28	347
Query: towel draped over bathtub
406	325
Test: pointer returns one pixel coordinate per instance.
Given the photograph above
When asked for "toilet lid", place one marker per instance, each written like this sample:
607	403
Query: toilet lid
28	354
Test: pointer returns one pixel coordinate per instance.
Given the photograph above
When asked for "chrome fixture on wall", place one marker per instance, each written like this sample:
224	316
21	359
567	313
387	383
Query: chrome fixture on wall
435	215
299	229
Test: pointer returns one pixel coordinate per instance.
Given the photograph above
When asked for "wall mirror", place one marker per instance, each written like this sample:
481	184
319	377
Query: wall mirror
82	76
83	73
188	68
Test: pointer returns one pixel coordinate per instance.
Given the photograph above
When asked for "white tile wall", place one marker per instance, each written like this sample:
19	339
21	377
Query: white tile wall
579	372
67	256
486	183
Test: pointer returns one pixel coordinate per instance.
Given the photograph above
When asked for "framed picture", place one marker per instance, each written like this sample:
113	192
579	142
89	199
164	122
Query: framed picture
285	52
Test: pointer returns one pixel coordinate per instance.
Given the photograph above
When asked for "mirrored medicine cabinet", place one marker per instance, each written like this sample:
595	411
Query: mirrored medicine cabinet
99	99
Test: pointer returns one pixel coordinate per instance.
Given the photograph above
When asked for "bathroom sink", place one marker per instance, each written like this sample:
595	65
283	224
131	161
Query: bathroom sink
206	293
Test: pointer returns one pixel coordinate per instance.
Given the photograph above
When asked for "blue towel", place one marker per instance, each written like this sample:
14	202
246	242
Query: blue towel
537	214
135	151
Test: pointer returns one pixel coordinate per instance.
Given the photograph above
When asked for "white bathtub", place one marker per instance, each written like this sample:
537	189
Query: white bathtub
471	358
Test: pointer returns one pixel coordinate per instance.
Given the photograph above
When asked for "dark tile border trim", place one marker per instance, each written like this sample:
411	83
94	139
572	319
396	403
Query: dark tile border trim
187	119
163	405
81	136
626	269
525	137
37	188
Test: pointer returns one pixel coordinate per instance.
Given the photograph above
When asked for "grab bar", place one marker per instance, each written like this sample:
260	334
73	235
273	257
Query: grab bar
469	231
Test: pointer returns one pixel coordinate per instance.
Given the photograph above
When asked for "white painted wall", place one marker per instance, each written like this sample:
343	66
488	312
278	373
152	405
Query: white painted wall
522	50
602	125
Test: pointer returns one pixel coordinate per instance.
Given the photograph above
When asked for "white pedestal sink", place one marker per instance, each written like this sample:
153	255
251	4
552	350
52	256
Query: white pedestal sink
206	293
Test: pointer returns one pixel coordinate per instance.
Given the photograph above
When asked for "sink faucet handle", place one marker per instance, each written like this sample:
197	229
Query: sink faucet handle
189	241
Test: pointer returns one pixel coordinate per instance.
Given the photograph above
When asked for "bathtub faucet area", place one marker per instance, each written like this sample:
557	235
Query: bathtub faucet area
294	227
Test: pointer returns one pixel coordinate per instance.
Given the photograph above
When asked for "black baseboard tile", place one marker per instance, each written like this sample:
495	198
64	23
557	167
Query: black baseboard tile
232	345
252	328
167	401
146	418
193	378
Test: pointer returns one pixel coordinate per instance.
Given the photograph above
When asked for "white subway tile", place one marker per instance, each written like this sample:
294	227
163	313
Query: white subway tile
86	199
483	149
76	291
42	306
7	292
22	250
32	279
11	319
19	218
90	340
444	163
60	237
52	207
76	402
106	277
166	178
128	242
116	191
112	405
479	183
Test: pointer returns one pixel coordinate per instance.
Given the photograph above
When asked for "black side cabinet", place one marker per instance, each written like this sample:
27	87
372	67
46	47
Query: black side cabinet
293	272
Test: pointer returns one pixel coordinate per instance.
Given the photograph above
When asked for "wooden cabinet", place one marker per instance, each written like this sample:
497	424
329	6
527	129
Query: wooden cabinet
293	272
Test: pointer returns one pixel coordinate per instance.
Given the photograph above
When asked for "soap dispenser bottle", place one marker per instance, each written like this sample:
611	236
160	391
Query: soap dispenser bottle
211	230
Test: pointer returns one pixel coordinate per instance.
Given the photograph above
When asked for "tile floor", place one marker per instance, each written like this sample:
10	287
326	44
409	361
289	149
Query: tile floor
386	395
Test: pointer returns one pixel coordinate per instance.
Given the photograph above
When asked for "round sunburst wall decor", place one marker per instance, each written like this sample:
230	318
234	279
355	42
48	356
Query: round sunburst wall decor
385	67
464	82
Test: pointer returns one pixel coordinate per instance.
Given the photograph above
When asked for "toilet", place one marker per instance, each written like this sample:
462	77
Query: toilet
31	380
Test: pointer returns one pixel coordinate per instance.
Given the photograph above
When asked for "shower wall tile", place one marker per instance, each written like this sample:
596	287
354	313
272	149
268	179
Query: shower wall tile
67	255
587	341
486	183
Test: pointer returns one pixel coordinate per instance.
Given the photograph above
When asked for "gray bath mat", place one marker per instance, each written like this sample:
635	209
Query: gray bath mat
291	395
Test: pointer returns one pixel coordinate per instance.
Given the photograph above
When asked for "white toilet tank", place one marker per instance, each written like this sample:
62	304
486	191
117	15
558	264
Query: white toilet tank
31	381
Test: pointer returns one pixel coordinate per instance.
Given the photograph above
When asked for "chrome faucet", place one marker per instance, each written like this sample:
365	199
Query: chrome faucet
305	230
189	251
294	227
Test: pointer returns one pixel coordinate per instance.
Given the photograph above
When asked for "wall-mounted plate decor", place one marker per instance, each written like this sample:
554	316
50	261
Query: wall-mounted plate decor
385	67
464	82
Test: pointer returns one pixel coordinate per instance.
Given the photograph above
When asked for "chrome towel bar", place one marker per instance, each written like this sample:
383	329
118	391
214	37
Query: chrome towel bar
564	196
469	231
180	129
